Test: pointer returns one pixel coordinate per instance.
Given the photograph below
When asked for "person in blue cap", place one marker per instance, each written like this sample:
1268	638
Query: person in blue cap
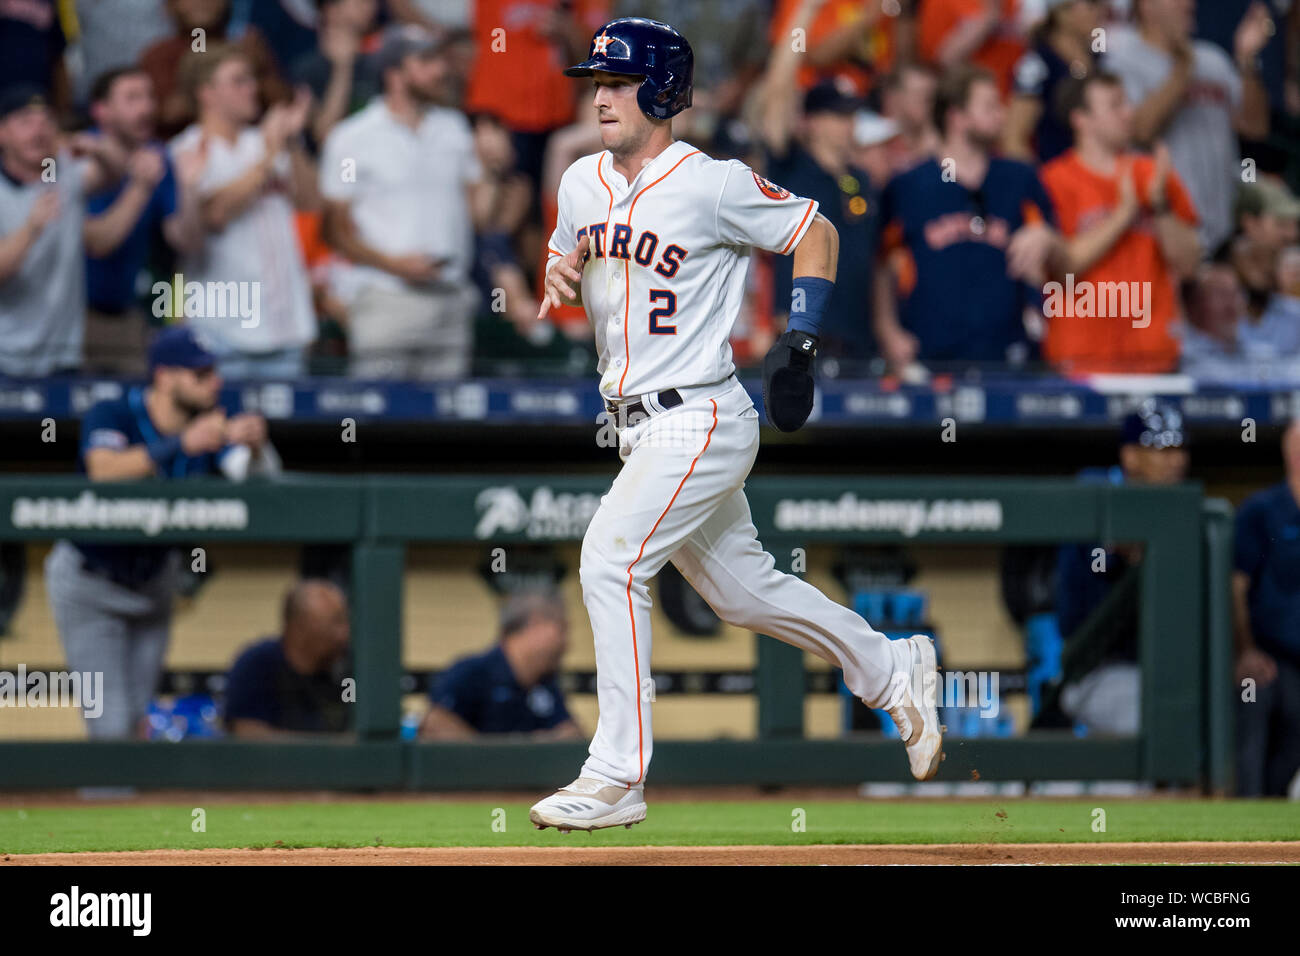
1101	681
112	603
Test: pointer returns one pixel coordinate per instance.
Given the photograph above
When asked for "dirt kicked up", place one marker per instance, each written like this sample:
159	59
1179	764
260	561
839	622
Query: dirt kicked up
842	855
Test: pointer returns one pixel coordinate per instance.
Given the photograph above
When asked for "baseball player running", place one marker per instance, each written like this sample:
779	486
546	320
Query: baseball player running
653	240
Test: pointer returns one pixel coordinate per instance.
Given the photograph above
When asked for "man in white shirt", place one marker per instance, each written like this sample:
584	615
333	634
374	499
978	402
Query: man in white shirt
247	289
1189	94
396	179
44	181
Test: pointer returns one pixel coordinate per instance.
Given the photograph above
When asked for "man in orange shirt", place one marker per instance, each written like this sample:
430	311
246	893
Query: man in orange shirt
985	33
520	47
854	41
1130	231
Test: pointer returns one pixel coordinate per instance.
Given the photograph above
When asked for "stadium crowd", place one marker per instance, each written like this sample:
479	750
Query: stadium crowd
368	186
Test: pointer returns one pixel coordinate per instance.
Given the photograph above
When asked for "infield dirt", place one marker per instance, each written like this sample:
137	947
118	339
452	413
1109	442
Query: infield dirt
879	855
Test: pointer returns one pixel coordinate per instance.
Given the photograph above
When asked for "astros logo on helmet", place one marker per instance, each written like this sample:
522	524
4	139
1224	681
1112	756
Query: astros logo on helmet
636	46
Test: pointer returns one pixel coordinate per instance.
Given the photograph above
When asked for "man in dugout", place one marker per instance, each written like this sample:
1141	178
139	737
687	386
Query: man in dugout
112	602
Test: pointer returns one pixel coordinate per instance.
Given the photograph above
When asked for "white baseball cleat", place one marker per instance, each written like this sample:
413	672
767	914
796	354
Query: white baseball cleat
588	804
913	707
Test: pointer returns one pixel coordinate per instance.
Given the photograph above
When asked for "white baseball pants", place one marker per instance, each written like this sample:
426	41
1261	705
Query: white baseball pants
679	497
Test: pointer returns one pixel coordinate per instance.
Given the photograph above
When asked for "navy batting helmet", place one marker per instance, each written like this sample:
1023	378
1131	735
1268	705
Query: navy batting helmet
636	46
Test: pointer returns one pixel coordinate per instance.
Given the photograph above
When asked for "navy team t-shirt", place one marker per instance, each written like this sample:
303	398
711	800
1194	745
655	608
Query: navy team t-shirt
482	691
954	292
119	424
262	686
1267	549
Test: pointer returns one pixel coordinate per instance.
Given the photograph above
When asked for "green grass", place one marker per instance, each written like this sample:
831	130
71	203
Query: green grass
470	823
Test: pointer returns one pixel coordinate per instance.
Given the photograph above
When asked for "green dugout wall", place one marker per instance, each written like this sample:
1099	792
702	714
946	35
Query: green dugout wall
1185	624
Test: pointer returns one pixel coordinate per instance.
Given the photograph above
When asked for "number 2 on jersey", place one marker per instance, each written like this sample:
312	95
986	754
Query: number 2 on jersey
668	309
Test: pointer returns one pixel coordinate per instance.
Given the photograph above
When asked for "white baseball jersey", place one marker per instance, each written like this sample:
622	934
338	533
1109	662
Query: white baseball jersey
665	273
662	286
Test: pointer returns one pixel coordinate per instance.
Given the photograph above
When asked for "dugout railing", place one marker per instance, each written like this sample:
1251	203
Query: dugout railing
1184	625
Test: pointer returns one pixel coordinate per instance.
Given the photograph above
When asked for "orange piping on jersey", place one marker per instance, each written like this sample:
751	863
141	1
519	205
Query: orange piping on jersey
627	270
553	252
811	203
645	189
636	657
627	348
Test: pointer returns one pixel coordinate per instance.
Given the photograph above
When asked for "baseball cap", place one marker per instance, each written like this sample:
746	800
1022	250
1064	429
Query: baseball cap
178	347
1267	196
1155	424
872	129
828	97
20	96
401	40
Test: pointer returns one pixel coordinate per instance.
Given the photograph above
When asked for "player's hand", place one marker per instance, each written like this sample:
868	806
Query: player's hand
1257	665
564	280
248	429
417	268
207	433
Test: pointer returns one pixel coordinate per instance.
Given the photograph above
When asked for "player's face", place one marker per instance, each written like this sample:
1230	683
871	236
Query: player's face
129	109
984	115
623	127
194	390
1154	466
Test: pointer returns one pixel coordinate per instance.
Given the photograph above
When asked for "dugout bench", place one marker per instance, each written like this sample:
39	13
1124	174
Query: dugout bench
1185	625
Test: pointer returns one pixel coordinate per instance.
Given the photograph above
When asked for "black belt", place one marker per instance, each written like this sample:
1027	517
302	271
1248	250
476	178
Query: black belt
669	398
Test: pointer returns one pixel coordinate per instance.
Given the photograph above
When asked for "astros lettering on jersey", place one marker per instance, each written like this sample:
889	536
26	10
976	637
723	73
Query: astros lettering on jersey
664	276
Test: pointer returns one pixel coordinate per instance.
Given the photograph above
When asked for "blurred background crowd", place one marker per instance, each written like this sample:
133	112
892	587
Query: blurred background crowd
365	187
